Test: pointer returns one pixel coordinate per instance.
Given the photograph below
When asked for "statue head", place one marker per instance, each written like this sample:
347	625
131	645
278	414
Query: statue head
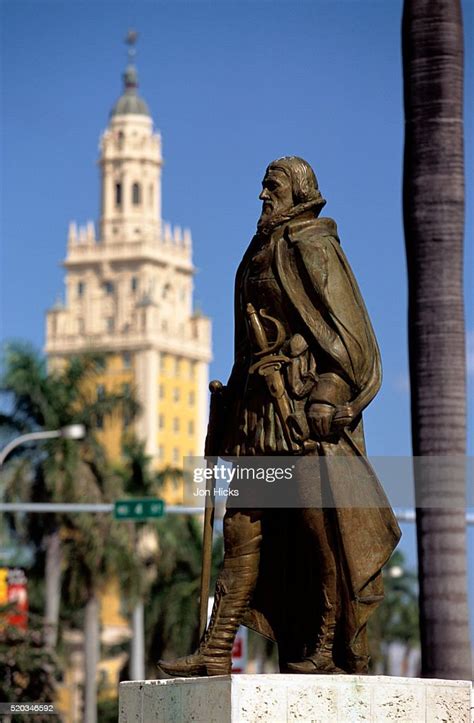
288	182
303	180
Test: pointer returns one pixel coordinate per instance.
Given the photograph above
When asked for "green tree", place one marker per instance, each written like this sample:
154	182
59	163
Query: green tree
108	710
432	37
396	619
66	471
96	549
62	470
28	670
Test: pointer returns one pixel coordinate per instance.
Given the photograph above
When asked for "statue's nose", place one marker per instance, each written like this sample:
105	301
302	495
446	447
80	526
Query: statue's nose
264	195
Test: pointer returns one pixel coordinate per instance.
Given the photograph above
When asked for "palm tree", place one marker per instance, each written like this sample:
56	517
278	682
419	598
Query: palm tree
434	218
96	549
40	399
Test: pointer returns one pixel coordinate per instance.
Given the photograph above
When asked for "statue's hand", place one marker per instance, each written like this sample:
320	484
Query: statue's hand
343	416
320	418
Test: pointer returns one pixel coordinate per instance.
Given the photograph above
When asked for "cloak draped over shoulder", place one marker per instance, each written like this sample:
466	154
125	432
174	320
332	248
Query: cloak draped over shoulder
319	286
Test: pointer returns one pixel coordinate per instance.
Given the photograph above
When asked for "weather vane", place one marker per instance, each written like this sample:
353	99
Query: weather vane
131	39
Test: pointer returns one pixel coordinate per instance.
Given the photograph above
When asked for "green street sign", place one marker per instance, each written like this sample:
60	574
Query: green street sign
139	509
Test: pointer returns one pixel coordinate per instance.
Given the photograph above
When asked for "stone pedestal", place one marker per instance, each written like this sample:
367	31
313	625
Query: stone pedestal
304	698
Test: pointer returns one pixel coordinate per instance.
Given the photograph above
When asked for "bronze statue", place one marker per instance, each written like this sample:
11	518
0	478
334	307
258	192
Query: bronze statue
306	365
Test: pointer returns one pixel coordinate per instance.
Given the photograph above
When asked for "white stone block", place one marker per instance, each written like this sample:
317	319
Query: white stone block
130	703
296	698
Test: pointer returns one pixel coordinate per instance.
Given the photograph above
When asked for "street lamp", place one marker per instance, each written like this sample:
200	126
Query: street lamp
395	571
73	431
70	431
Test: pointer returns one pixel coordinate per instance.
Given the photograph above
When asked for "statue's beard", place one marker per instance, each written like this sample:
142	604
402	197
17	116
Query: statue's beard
266	215
272	213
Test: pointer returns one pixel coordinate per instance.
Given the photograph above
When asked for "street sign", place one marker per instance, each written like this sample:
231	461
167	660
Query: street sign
139	509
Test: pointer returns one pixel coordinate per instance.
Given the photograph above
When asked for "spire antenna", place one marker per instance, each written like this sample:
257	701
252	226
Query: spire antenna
131	40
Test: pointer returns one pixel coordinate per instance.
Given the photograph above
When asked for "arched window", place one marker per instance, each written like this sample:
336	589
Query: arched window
136	194
151	194
118	194
120	139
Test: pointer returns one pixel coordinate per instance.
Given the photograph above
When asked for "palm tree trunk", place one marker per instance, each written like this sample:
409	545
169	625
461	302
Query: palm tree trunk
91	657
54	558
137	656
434	219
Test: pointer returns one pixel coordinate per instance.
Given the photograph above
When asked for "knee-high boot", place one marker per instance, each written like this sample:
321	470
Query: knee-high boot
321	659
234	589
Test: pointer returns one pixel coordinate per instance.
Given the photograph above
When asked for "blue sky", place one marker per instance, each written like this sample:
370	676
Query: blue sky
231	85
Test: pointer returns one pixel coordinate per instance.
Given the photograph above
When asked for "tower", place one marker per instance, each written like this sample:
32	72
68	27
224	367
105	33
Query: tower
131	169
129	292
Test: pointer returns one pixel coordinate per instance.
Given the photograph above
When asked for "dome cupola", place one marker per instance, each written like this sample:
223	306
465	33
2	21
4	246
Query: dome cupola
130	101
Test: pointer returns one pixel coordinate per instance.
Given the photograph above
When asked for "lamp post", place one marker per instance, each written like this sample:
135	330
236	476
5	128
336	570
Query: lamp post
70	431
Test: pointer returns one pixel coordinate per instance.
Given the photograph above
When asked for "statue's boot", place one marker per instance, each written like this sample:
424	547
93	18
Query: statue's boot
321	659
234	589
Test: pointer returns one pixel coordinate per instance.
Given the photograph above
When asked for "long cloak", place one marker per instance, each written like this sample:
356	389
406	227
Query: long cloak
318	282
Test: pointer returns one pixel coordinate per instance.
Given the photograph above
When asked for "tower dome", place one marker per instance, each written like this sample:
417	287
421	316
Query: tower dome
130	101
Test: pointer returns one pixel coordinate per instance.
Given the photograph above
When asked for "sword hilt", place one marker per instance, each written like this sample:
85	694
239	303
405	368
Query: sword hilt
259	334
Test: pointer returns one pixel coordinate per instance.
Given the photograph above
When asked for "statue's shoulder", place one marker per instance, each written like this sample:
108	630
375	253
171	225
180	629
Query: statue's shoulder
315	231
